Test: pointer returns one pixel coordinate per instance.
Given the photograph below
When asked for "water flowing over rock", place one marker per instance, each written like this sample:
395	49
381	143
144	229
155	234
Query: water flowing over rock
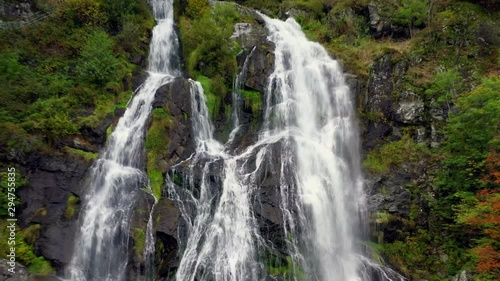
291	197
117	177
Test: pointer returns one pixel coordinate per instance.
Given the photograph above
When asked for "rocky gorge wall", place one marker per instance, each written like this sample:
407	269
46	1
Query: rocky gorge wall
391	110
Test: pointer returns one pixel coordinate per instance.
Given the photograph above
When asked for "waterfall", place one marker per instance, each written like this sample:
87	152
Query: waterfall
323	183
310	128
101	243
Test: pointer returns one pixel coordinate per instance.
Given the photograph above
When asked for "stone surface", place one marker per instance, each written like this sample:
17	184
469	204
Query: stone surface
51	180
409	109
166	216
174	97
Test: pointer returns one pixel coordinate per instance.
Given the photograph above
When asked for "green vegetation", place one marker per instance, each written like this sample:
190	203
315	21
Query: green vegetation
66	72
213	100
209	51
393	154
252	99
24	249
71	206
156	145
283	267
139	241
85	155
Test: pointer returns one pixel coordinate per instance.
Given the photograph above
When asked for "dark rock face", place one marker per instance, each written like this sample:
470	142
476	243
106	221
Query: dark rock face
19	10
167	217
93	139
175	97
260	66
51	180
380	27
139	220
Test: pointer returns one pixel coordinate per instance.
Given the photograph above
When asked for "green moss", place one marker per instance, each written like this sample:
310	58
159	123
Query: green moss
393	154
139	236
213	100
71	205
85	155
31	233
252	99
40	266
283	267
375	251
156	144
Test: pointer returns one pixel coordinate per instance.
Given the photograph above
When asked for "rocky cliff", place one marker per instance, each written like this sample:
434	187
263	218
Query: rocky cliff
398	114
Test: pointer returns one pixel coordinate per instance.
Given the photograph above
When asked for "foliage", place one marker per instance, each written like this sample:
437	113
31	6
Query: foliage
196	8
60	70
156	146
252	99
471	133
481	214
97	60
208	48
446	86
4	187
24	249
394	154
412	13
414	255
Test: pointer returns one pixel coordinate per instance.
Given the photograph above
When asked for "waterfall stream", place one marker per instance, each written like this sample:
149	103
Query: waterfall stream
310	127
309	140
101	244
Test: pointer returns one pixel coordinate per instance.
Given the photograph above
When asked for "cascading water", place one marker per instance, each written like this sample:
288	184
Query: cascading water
313	105
309	126
101	245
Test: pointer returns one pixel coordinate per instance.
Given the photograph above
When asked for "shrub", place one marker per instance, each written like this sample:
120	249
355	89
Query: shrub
97	60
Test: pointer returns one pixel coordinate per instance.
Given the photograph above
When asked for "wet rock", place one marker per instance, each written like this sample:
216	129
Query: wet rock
249	35
139	221
167	217
138	78
381	27
260	66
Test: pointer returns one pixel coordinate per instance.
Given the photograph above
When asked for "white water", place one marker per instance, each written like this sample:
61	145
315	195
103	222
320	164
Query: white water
309	121
314	107
101	244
